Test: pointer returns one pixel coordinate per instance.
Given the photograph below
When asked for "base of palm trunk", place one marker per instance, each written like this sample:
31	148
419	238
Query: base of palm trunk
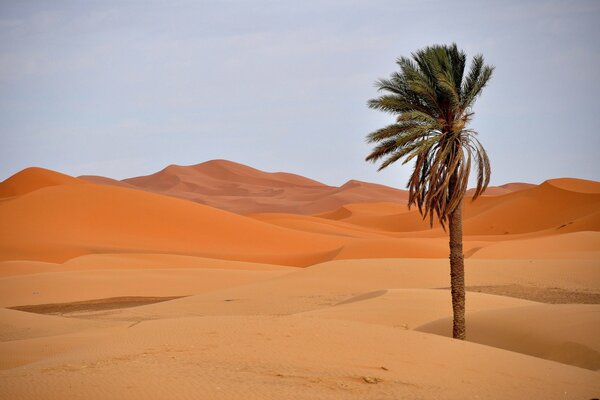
457	274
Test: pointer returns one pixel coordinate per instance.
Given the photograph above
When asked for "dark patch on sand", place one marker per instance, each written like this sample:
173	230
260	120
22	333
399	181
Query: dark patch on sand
112	303
550	295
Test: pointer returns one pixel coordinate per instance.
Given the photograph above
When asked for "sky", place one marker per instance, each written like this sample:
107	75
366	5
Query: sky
125	88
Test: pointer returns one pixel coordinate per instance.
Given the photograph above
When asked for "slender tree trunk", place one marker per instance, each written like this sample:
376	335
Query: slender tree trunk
457	273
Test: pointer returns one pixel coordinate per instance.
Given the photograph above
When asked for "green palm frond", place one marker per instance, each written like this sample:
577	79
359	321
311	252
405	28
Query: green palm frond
432	99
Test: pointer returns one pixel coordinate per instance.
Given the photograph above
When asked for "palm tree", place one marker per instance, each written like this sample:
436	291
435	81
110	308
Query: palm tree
433	101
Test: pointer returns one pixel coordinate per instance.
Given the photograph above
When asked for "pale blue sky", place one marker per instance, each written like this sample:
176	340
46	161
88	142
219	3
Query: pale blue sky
125	88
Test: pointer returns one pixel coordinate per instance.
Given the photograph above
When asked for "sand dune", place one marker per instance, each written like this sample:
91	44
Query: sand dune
129	261
244	190
576	185
569	245
348	338
530	209
157	291
34	178
17	325
408	308
76	220
49	288
503	189
102	180
84	219
219	357
564	333
330	283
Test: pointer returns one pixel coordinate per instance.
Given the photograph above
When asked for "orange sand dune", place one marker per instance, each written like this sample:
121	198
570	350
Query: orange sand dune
542	207
569	245
89	219
576	185
242	189
242	322
533	209
61	222
102	180
34	178
318	224
56	223
502	189
128	261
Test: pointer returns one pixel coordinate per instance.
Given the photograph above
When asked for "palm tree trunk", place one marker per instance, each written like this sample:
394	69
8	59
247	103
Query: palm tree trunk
457	273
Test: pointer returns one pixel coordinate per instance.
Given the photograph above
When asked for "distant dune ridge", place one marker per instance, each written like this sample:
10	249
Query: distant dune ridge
49	216
241	189
213	251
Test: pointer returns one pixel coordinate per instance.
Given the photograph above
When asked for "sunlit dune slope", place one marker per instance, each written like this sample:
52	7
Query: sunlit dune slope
561	246
18	325
60	222
47	216
541	207
576	185
287	357
57	222
502	189
564	205
34	178
102	180
136	261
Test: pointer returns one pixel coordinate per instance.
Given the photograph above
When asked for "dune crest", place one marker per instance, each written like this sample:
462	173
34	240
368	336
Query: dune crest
34	178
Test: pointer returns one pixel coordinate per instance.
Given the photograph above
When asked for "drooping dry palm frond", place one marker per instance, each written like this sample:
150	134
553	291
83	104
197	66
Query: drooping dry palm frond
433	100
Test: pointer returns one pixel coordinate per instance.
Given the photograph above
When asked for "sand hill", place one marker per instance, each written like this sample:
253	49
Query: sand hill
185	284
241	189
34	178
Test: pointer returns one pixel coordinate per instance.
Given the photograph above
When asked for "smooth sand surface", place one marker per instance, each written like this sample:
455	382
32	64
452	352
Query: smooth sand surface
288	357
134	291
567	333
342	329
129	261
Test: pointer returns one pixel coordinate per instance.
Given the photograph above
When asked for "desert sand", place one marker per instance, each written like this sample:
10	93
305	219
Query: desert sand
220	281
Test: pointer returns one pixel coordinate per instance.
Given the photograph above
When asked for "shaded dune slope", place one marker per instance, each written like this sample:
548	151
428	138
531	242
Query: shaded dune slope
242	189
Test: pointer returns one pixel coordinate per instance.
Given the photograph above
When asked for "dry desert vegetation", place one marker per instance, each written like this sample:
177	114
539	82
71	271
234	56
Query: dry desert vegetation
220	281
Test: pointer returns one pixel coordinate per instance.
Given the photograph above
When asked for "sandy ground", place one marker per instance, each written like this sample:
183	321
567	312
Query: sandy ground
108	291
343	329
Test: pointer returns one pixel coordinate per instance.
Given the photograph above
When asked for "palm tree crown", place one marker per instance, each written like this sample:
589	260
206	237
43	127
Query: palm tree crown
433	101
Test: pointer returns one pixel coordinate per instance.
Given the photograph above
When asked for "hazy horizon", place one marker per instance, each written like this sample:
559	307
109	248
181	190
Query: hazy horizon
122	90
